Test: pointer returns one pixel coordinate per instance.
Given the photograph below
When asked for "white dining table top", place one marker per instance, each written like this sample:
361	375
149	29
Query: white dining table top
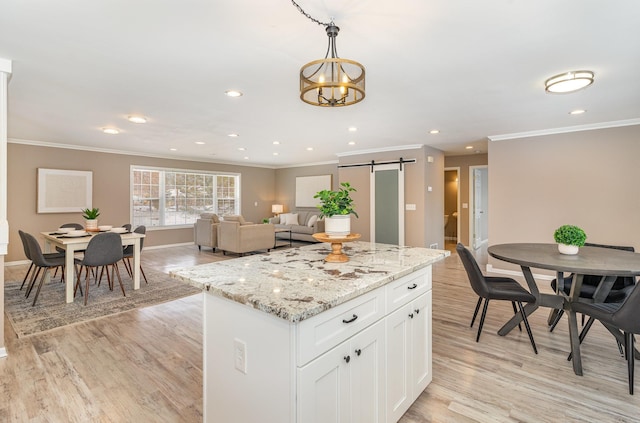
61	238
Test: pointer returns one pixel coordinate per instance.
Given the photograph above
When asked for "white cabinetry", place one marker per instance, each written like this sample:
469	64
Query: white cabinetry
408	355
346	384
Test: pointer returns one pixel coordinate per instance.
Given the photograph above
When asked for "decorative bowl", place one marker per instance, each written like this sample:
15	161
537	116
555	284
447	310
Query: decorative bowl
104	228
64	230
77	232
119	230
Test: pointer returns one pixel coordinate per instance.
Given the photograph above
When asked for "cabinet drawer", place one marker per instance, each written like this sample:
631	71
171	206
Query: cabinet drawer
407	288
326	330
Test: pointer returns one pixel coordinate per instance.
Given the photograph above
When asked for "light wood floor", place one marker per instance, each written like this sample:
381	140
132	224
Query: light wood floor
145	365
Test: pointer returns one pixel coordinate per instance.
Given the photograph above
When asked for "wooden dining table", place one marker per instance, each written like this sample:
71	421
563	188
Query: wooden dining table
72	244
606	262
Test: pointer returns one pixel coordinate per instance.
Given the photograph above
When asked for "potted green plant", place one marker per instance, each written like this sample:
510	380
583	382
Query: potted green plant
569	238
91	219
337	207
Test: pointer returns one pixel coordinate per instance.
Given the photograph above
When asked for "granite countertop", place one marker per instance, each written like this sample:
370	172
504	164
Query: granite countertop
296	284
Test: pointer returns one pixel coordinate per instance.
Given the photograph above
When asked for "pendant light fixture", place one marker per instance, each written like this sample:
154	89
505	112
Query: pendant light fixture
332	81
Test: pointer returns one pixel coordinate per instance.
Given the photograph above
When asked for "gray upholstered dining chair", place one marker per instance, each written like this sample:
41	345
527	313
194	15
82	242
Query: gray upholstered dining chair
41	262
618	316
103	252
127	253
32	266
494	288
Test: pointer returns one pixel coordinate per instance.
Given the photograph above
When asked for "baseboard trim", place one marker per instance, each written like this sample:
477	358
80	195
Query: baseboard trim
17	263
491	269
157	247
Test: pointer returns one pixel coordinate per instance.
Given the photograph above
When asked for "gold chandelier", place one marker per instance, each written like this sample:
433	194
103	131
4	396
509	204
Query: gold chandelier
331	81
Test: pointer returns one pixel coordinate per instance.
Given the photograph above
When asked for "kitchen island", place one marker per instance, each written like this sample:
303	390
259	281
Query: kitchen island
290	338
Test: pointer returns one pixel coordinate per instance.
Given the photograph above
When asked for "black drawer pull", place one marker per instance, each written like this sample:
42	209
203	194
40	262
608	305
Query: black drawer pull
358	352
417	310
414	286
353	319
347	358
411	315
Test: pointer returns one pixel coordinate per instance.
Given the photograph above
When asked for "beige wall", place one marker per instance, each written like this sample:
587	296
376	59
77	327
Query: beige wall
285	183
464	162
111	190
587	178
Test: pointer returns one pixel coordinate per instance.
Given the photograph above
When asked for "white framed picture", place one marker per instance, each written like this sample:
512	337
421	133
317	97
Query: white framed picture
64	191
308	186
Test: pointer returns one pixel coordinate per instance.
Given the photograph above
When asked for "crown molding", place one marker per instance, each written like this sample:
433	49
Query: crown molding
381	150
566	129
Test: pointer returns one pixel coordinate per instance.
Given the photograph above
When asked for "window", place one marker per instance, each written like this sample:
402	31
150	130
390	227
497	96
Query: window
168	197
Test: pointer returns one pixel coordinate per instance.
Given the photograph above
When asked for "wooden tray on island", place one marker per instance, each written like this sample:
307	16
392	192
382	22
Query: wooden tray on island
336	255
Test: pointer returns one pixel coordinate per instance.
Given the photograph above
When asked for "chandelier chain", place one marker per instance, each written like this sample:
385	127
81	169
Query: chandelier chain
311	18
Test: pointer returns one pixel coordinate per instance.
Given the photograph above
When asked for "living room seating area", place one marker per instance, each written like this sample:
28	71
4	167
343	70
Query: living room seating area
303	224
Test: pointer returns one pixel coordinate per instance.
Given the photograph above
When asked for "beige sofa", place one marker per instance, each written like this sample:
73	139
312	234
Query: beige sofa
205	231
303	224
236	237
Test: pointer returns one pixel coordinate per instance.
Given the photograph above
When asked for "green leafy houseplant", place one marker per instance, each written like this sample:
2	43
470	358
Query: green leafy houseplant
91	214
570	235
334	203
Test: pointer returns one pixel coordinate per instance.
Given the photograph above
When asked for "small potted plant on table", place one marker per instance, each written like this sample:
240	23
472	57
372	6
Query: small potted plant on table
569	239
336	207
91	219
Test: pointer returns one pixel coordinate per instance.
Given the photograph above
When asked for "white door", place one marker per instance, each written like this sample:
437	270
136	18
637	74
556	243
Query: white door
387	204
479	204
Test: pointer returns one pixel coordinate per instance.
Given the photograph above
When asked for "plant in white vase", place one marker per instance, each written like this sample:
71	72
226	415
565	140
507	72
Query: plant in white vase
569	238
337	207
91	219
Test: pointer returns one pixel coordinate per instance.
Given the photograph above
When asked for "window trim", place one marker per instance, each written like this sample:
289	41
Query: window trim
174	169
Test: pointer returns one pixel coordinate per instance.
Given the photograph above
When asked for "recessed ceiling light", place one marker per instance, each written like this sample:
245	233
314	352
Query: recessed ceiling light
173	149
110	131
200	142
276	143
568	82
577	112
233	135
352	143
233	93
275	154
469	147
246	157
241	148
309	148
352	129
434	131
137	119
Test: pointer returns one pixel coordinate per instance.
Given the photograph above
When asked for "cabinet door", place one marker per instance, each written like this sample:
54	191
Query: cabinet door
323	387
367	371
420	344
398	356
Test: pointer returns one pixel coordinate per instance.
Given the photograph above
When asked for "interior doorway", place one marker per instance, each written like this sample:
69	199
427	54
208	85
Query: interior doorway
451	205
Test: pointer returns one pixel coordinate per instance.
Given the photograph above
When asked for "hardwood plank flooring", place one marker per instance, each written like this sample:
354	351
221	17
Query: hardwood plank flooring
146	365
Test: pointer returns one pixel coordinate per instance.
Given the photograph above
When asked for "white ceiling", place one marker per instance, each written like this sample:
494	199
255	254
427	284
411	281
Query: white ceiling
469	68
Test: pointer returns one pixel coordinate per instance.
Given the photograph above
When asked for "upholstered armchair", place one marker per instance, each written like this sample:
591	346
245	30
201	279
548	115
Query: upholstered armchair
205	231
237	238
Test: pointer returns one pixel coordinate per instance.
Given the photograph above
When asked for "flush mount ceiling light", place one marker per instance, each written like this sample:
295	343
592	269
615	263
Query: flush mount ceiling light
331	81
568	82
233	93
110	131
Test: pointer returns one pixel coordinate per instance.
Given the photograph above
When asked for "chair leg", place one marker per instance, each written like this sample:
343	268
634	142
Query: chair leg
27	275
86	281
127	266
515	311
482	316
144	276
32	282
475	313
42	278
526	325
628	338
117	271
556	320
583	334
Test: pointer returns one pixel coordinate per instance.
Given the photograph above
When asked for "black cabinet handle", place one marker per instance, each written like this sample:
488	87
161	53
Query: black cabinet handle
353	319
417	310
358	352
411	315
347	358
414	286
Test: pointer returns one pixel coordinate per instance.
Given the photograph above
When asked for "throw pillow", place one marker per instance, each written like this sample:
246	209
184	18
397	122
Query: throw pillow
291	219
312	220
283	218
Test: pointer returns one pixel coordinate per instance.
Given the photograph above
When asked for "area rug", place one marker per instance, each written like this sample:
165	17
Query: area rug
51	311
